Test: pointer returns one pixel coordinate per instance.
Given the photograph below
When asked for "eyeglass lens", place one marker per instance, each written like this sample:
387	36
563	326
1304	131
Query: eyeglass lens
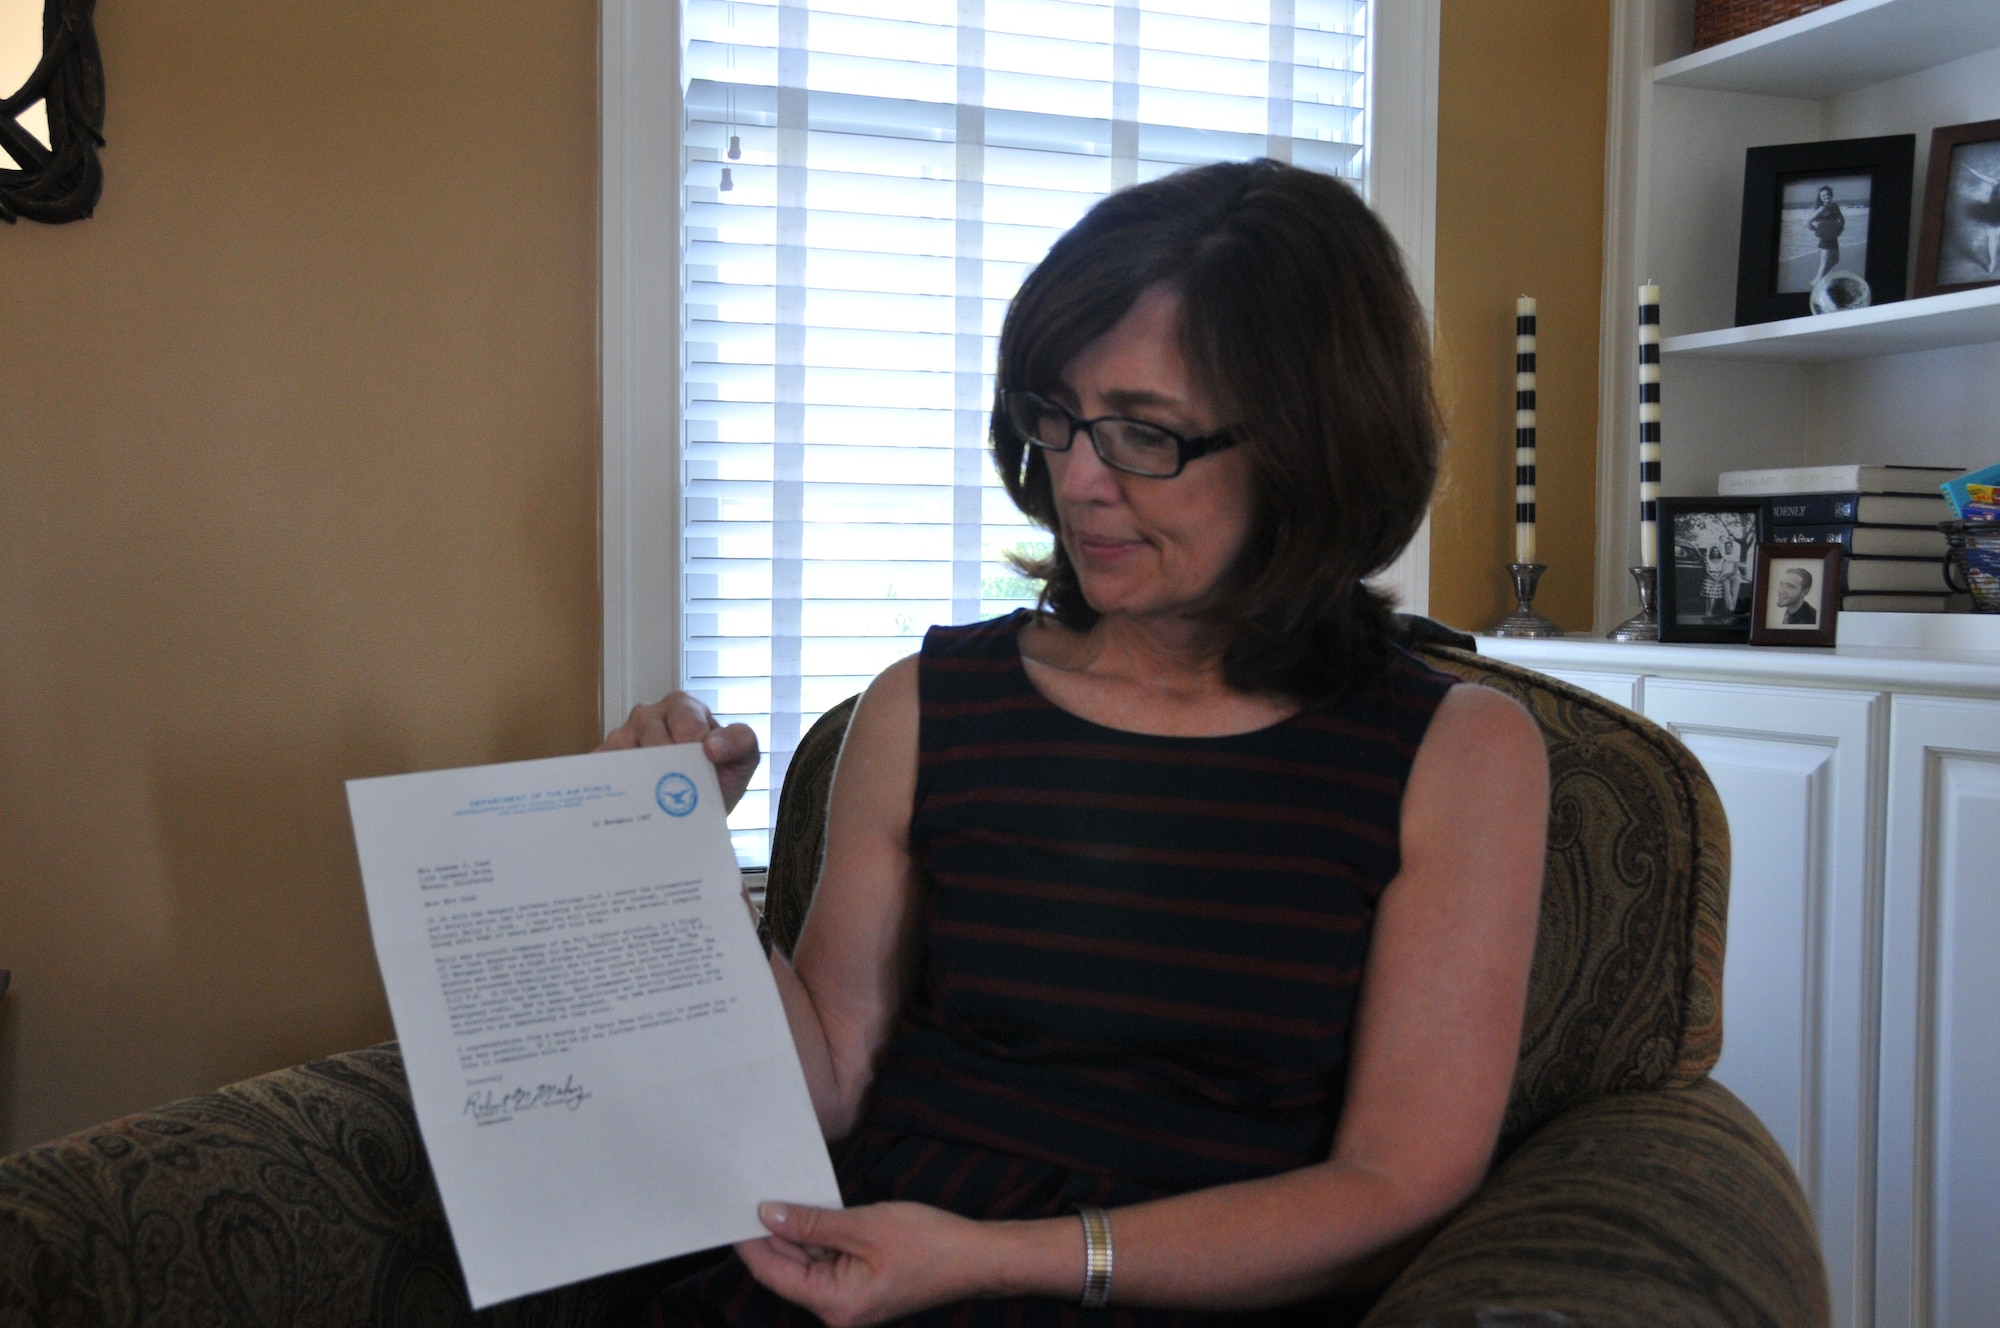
1127	444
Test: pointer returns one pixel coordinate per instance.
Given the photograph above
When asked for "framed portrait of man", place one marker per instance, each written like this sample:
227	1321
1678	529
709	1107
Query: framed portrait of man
1795	599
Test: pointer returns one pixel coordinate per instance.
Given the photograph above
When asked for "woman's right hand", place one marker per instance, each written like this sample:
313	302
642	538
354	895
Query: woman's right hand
678	717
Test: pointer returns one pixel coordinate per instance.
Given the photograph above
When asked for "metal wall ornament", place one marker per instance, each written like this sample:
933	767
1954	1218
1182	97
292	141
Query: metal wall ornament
60	182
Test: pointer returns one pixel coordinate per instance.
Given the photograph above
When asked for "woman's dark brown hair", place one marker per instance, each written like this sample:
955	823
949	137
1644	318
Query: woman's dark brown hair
1299	324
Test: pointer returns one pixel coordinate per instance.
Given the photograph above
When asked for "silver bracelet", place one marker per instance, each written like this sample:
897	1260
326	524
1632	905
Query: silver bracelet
1096	1256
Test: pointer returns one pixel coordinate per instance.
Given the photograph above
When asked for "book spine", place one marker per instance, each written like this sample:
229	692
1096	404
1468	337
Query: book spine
1909	480
1814	509
1843	535
1892	576
1846	509
1865	541
1889	602
1757	483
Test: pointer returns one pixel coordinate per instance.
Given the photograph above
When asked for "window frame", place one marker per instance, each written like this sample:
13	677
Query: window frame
639	309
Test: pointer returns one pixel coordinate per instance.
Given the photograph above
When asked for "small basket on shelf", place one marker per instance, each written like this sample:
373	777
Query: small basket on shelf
1718	21
1975	556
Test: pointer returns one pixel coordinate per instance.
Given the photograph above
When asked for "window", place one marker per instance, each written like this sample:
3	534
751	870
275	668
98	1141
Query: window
862	184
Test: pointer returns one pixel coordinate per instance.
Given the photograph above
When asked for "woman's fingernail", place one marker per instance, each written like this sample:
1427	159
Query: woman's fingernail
774	1214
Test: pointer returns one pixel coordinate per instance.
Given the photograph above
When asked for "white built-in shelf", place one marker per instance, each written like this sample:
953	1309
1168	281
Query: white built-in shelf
1842	47
1944	652
1963	318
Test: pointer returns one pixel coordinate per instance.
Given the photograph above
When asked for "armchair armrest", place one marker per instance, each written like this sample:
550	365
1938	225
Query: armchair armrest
1672	1205
301	1196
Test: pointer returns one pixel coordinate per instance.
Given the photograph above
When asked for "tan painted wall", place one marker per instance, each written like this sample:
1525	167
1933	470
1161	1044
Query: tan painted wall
297	483
1520	203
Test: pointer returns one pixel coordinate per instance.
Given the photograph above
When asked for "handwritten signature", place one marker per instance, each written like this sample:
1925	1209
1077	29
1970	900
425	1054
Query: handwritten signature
490	1108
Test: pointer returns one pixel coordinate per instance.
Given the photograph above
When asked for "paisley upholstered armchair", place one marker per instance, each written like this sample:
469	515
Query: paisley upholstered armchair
1629	1189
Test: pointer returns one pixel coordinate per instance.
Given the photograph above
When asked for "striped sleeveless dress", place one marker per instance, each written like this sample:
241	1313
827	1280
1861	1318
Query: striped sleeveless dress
1141	960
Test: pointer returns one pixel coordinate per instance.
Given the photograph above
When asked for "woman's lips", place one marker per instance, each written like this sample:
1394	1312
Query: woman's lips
1103	548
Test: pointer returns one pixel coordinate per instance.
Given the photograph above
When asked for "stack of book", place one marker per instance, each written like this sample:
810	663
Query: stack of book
1885	517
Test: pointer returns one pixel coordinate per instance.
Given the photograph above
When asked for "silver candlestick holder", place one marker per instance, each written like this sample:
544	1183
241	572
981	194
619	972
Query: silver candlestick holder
1645	624
1524	621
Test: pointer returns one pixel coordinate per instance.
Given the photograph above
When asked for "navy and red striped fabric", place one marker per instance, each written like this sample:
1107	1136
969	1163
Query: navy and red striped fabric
1141	955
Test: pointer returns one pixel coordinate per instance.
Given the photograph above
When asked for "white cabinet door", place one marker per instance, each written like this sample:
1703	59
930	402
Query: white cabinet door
1794	767
1939	1253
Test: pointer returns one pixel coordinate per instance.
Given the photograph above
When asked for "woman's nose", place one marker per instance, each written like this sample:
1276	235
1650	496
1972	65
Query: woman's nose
1080	475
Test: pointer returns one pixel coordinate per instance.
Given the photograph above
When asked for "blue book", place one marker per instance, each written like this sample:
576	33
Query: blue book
1868	541
1843	509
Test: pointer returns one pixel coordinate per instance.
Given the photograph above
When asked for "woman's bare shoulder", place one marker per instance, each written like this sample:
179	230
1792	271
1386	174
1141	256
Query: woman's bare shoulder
878	757
892	698
1483	747
1474	720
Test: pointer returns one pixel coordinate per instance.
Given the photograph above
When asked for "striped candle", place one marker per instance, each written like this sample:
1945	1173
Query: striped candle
1649	426
1524	429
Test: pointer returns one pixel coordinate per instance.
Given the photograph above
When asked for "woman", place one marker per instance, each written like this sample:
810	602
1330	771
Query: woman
1722	572
1827	224
1107	887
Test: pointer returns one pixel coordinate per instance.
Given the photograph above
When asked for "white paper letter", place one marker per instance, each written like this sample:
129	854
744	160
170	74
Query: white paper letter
600	1062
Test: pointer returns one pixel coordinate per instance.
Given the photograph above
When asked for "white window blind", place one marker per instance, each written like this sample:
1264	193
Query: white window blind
865	183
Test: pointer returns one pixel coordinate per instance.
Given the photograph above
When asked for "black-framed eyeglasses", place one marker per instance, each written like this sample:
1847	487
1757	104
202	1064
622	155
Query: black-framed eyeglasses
1136	447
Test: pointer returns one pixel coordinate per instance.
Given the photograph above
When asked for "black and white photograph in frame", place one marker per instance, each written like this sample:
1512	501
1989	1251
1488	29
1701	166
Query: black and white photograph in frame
1826	226
1822	229
1796	597
1959	246
1708	555
1970	245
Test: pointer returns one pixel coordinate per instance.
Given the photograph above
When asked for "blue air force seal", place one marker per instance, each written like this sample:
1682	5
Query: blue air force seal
675	794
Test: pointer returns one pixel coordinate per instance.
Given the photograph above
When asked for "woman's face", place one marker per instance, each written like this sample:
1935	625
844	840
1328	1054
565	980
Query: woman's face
1825	194
1145	547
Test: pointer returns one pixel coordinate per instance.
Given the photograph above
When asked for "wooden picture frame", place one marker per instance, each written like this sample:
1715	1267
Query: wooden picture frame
1707	564
1958	244
1795	595
1807	206
62	181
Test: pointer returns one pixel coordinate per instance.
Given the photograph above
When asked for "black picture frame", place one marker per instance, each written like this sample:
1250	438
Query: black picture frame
1813	616
1708	549
1958	244
1770	280
60	182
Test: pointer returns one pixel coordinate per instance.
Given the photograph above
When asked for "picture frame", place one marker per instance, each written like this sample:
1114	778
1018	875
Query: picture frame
1807	208
1958	243
1708	549
1795	595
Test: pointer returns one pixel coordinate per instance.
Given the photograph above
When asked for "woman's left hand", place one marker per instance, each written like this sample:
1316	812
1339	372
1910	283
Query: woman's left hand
859	1266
